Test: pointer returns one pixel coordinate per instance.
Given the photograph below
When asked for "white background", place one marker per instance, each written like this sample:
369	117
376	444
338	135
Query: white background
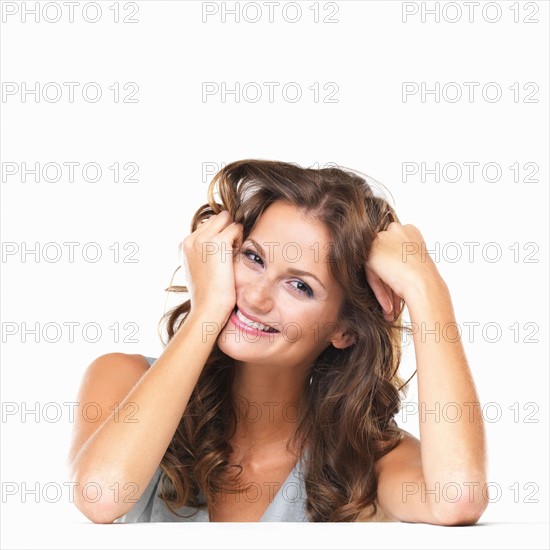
172	133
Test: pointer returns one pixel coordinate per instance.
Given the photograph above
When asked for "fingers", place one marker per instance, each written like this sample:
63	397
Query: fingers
223	226
395	301
397	304
380	291
389	311
215	223
389	300
234	231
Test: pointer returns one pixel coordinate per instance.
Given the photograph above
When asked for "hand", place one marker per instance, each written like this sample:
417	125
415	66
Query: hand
208	262
398	262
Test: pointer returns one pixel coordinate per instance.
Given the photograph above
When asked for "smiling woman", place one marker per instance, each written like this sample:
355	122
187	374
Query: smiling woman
275	396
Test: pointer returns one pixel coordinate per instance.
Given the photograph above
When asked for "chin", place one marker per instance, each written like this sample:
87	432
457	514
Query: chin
238	348
234	348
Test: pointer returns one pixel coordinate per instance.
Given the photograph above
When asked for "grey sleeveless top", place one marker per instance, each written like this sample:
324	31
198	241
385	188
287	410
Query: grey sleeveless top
289	503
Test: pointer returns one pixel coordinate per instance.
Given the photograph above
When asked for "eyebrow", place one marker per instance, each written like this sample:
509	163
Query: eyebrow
291	270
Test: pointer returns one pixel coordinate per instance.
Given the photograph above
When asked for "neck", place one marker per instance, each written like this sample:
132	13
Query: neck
268	402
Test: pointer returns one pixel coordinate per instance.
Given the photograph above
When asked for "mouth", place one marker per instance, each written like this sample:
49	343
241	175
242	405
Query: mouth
242	320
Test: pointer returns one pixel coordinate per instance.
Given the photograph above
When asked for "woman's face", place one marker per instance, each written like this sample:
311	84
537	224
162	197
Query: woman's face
302	308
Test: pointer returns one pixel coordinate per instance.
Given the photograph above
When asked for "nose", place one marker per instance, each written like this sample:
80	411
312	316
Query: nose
257	296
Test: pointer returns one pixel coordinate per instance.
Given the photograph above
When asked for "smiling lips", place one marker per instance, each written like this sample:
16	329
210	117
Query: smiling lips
244	320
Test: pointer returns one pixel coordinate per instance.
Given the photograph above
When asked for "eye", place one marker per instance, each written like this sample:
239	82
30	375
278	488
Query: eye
246	252
305	288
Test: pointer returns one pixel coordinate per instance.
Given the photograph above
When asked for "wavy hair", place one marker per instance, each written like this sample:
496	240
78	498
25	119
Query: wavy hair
347	422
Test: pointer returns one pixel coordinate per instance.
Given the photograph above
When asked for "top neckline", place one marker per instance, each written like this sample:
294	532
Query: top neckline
278	494
295	472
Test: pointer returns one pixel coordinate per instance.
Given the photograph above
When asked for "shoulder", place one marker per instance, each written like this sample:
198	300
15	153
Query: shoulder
404	456
106	382
113	374
400	467
123	363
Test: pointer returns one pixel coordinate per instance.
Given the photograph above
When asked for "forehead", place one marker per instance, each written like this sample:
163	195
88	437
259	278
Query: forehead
286	225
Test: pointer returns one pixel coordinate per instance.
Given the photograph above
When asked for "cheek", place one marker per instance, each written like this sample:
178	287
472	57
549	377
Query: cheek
310	324
325	328
239	270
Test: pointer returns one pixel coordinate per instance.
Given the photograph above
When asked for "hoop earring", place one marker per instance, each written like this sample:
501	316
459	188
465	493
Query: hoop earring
167	290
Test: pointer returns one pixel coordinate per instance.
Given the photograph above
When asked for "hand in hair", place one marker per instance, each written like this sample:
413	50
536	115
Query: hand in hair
397	264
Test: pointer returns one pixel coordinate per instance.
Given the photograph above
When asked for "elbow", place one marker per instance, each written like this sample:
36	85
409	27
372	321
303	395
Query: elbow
460	513
98	512
462	501
95	500
98	515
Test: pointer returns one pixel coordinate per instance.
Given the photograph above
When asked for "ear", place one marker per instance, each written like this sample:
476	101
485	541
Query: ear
342	340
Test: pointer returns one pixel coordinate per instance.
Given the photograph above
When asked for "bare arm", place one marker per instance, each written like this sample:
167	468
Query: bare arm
125	455
129	445
441	478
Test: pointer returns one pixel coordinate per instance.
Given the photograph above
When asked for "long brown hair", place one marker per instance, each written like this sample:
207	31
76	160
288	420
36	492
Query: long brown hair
348	419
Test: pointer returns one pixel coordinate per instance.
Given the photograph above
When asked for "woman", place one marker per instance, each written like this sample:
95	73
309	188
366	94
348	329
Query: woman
274	398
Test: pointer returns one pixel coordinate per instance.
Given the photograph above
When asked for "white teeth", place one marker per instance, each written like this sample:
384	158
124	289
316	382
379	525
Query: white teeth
250	323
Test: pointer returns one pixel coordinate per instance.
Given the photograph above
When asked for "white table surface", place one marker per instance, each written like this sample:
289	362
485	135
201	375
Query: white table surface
62	534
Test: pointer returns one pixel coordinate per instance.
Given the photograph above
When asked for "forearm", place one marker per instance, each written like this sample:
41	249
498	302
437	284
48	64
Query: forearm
451	425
